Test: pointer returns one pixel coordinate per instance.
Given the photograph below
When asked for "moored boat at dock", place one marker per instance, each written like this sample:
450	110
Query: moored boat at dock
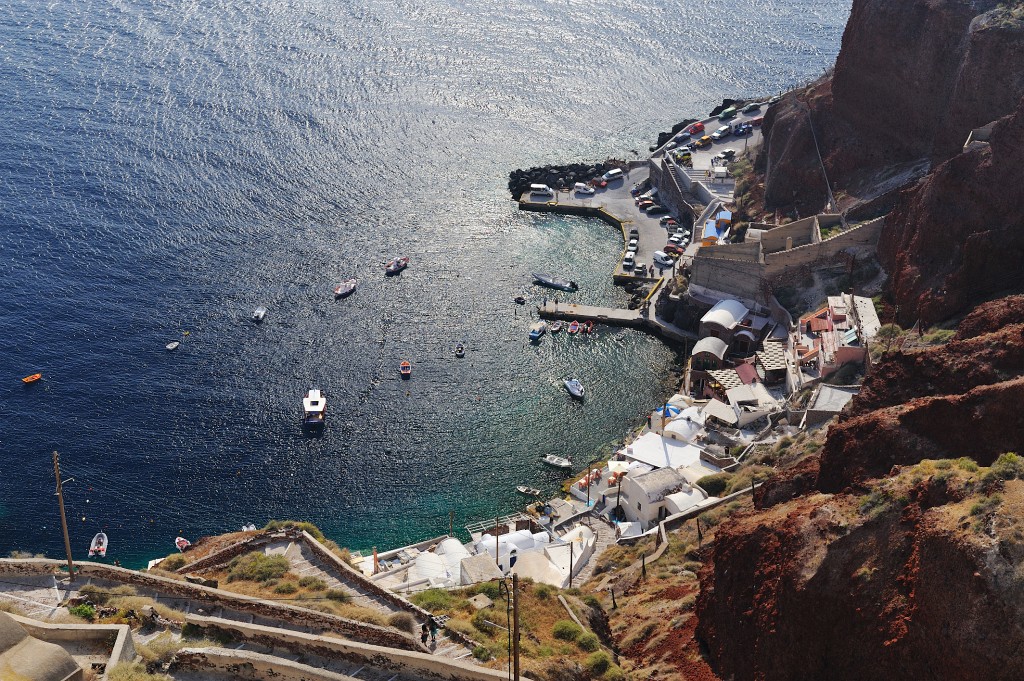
538	330
556	326
557	461
182	543
574	327
314	409
587	326
555	282
528	491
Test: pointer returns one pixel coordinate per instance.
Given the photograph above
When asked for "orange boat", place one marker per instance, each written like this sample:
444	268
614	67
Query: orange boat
405	368
31	379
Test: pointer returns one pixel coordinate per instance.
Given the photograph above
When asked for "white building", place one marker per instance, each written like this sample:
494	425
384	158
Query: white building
644	497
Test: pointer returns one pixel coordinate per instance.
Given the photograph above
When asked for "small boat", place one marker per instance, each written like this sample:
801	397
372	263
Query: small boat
528	491
98	547
574	326
314	408
258	314
537	330
555	282
556	326
248	528
182	543
460	350
172	346
345	288
396	266
575	388
557	461
31	379
519	300
587	326
405	368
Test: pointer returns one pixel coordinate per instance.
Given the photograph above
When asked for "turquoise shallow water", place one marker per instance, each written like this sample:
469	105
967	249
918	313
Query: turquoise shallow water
168	166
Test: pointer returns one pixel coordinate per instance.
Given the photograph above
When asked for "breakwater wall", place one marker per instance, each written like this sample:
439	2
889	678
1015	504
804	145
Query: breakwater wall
559	176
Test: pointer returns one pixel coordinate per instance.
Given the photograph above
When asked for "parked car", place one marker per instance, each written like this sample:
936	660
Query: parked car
684	135
665	220
674	249
721	133
634	233
756	122
680	233
613	174
645	204
629	260
672	145
672	225
583	188
727	114
752	107
774	99
704	141
689	146
742	129
675	239
635	190
695	128
728	153
656	209
662	259
633	245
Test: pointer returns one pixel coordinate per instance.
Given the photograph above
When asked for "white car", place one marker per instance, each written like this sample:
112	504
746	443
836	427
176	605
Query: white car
681	234
633	245
675	239
583	188
721	133
613	174
662	259
629	261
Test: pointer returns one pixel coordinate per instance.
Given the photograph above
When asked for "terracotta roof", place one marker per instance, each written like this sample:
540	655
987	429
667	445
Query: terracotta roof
747	373
819	324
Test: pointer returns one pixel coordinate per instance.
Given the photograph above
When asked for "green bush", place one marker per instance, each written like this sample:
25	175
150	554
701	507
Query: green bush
598	663
566	630
482	653
257	567
338	595
103	595
543	591
490	589
986	505
296	524
1009	466
85	611
482	620
714	484
614	673
433	599
943	464
313	583
592	601
967	464
588	642
286	588
173	562
403	621
134	671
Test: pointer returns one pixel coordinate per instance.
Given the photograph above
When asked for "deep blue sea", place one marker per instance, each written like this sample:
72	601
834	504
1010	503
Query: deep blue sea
168	165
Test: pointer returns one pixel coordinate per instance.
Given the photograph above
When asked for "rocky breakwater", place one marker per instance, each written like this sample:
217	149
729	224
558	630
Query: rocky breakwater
886	555
910	82
558	177
958	236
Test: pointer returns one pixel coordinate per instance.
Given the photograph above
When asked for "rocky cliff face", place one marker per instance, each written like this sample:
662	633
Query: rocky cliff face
958	237
866	562
910	82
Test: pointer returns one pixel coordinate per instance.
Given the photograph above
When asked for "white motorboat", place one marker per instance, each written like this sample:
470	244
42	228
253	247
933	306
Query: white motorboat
556	326
557	461
555	282
528	491
575	388
396	266
345	288
314	408
172	346
98	547
537	330
182	543
259	313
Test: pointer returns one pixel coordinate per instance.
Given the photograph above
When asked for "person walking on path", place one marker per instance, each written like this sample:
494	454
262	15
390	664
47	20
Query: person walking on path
433	630
424	633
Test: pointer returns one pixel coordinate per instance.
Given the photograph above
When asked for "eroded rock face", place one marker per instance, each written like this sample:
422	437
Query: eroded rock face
816	589
910	82
958	237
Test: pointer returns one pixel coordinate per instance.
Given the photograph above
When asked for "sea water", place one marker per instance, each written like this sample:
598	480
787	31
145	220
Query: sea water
168	166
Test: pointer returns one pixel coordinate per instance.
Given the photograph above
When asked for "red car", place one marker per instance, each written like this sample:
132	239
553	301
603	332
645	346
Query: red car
757	121
645	204
695	128
673	248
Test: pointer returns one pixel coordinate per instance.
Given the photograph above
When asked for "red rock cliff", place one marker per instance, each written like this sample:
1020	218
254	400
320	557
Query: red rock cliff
910	82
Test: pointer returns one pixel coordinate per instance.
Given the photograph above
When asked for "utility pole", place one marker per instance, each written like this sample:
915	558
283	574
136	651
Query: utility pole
515	626
570	565
451	523
63	518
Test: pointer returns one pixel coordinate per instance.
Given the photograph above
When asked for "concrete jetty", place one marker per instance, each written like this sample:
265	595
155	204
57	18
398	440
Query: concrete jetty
646	320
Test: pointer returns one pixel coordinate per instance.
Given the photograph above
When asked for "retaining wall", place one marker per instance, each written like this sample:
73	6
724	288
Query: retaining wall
123	649
217	598
861	236
420	665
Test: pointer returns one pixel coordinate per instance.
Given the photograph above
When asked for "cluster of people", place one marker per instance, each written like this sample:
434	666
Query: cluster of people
428	630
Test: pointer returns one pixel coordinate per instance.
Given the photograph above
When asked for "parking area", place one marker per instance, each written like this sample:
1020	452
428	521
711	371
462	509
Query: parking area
701	157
